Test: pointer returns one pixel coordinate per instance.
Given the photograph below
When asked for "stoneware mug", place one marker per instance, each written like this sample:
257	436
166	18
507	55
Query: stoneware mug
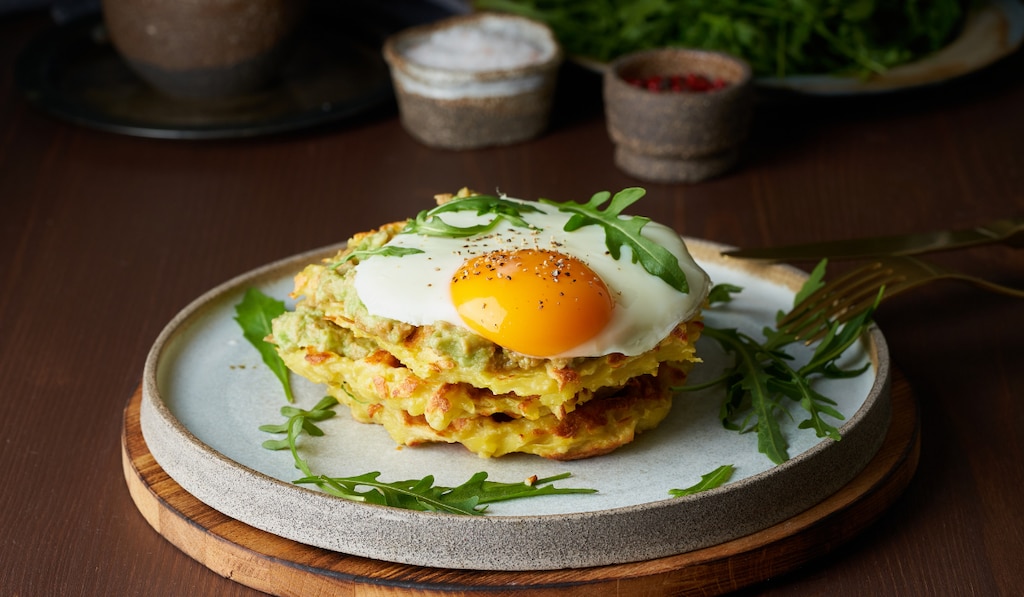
203	48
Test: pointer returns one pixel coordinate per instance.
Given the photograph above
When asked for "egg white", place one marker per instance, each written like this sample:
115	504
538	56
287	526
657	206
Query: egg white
415	289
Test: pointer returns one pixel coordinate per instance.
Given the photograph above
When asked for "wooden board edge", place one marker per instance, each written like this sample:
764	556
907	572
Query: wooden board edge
281	566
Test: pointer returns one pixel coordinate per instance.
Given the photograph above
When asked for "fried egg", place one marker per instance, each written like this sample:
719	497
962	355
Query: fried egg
538	290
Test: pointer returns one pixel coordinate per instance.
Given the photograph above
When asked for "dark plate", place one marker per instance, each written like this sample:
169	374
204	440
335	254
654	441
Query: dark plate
335	71
993	30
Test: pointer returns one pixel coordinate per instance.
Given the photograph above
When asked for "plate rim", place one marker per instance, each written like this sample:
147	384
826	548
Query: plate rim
527	542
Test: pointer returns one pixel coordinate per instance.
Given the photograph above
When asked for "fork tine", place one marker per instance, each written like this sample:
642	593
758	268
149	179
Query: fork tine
865	291
842	298
832	288
849	311
837	300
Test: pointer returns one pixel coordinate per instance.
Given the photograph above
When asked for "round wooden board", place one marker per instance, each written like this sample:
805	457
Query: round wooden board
281	566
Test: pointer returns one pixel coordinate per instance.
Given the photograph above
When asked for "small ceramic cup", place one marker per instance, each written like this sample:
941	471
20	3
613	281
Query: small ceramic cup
203	48
475	80
671	136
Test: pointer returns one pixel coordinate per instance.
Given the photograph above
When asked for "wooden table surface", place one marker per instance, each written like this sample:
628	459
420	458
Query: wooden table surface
105	237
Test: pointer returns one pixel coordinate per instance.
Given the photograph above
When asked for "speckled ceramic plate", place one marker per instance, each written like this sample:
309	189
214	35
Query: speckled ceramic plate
206	392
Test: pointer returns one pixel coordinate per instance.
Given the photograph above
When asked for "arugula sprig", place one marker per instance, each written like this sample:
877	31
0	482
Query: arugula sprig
428	222
716	478
624	230
470	498
762	378
299	421
384	251
255	314
619	229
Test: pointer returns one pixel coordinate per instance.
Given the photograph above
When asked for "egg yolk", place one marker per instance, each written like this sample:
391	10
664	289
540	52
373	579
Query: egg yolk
536	302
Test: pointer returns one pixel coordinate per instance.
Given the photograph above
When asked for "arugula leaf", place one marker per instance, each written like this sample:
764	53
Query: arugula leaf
299	421
722	293
469	498
384	251
254	315
619	229
749	396
814	282
428	223
716	478
624	230
417	494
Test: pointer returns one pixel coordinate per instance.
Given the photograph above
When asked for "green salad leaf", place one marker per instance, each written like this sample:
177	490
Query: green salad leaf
777	37
300	421
385	251
619	229
471	497
721	293
428	222
716	478
761	383
254	315
625	230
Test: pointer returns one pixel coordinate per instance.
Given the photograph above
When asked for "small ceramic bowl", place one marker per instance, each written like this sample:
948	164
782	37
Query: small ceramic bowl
202	49
678	133
474	80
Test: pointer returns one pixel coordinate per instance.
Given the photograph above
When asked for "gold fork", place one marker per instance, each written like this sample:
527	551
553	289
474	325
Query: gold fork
846	296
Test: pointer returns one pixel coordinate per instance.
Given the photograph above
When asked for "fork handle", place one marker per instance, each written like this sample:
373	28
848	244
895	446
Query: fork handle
937	272
997	288
1009	232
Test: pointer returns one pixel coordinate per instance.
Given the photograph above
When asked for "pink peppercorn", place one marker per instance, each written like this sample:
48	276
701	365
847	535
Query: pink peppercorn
692	82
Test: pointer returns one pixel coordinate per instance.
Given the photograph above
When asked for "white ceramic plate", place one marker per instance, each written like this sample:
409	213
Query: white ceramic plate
206	392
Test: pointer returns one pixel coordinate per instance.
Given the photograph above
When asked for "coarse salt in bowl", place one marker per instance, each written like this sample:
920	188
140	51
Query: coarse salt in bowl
474	81
470	48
